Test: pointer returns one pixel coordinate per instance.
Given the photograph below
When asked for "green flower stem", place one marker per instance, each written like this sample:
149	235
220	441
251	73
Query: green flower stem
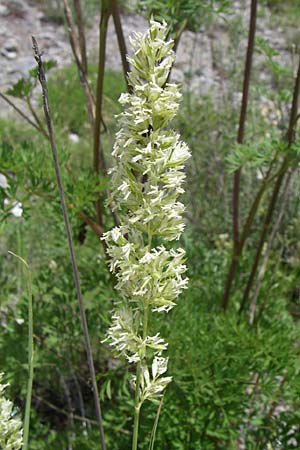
30	363
137	403
30	355
137	408
154	429
147	180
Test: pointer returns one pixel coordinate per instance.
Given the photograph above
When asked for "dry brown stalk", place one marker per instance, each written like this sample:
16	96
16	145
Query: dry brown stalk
77	53
121	40
88	347
20	112
81	34
242	121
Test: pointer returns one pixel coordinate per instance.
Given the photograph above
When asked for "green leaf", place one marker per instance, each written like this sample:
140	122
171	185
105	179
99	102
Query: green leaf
254	155
21	89
108	389
263	46
47	65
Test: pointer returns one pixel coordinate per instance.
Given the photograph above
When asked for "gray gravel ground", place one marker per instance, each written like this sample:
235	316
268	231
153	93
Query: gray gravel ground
201	61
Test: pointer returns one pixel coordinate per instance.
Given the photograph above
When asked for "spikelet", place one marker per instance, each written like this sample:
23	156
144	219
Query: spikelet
147	180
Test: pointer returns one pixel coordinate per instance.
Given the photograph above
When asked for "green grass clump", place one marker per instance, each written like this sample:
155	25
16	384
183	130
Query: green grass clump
65	91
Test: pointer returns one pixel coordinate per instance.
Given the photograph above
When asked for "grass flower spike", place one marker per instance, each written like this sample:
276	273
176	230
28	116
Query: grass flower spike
147	180
10	427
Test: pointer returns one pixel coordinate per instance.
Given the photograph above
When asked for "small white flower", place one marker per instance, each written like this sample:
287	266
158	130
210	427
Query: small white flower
74	138
11	434
3	181
53	264
115	234
16	209
147	180
153	385
124	188
19	321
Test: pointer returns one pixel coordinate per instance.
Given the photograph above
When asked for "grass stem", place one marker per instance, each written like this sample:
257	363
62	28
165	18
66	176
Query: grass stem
30	354
42	79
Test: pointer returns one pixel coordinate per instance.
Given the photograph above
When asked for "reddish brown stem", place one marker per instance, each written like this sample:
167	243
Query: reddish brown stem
76	49
269	246
273	201
121	40
81	34
264	233
246	230
99	161
242	121
179	32
238	251
98	230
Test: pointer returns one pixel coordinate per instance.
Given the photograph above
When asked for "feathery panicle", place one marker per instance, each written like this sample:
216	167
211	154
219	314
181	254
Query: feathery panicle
10	427
147	180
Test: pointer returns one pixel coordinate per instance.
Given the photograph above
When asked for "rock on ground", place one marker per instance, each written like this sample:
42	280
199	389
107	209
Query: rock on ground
202	61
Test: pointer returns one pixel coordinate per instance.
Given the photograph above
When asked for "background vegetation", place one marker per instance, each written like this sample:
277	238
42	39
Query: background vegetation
235	381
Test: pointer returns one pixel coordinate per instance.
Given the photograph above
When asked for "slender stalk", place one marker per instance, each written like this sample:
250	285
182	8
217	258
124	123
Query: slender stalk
42	79
264	233
254	207
137	403
269	247
177	38
19	111
154	429
80	399
30	362
273	201
65	413
179	32
121	40
238	246
242	121
77	53
81	34
294	110
245	234
137	408
20	268
68	397
99	161
78	46
74	41
98	230
36	118
277	261
30	355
